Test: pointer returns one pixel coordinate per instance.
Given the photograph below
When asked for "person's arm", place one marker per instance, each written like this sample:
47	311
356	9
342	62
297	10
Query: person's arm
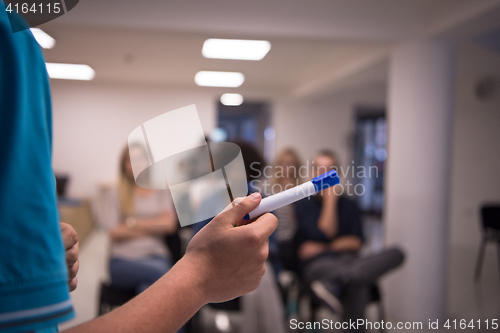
352	238
346	243
221	262
122	232
165	223
162	224
310	249
114	223
306	248
328	218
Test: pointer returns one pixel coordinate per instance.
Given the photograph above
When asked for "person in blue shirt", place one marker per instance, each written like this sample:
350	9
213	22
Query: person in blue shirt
33	275
328	240
34	260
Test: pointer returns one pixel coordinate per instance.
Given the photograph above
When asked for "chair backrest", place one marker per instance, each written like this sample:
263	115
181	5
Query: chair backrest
490	216
174	243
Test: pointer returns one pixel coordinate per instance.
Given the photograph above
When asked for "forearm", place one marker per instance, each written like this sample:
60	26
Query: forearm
328	223
163	224
122	232
310	249
346	243
164	307
207	273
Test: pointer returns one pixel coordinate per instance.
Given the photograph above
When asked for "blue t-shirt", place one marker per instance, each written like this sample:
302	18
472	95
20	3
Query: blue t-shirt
34	294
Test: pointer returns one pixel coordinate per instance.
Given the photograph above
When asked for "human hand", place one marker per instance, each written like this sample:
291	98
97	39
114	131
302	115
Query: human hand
330	195
70	241
311	249
229	260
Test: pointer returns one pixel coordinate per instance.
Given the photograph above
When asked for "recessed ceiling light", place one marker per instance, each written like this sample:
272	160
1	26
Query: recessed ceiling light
219	79
70	71
43	39
237	49
231	99
218	134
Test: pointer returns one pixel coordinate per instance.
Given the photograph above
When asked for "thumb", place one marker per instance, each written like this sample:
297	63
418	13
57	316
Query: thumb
237	212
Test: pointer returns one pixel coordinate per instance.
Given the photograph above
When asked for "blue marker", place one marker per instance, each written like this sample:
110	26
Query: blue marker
296	193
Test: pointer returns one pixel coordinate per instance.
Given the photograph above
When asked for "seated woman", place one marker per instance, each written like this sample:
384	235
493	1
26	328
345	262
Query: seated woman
142	218
286	174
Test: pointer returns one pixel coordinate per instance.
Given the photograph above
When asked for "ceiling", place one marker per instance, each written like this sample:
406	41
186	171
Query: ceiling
316	44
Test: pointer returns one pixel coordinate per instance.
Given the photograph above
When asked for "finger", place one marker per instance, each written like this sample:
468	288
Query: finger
72	254
73	270
72	284
238	212
263	226
264	250
232	204
244	221
69	235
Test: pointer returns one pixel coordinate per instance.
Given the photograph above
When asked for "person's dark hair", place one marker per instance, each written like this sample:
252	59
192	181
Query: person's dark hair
330	154
124	158
251	157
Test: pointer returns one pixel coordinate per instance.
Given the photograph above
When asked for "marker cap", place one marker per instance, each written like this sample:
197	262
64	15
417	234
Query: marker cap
326	180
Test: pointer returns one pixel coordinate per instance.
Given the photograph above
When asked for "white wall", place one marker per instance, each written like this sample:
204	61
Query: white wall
476	149
420	108
475	180
92	122
311	125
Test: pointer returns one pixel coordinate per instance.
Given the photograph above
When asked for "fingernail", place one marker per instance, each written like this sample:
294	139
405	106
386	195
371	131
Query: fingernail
255	196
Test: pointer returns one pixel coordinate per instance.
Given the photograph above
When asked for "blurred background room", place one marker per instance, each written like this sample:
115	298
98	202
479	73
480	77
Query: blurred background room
409	88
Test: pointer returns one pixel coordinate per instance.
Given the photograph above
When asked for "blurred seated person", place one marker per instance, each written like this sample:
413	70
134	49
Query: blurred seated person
142	217
262	309
328	240
286	174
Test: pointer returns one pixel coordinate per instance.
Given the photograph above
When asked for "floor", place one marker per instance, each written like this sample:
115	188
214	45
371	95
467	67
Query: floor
467	300
93	269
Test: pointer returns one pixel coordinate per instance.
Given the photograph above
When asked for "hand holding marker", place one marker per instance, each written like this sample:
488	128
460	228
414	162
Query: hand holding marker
296	193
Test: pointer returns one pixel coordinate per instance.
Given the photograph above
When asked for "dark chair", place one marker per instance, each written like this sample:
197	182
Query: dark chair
490	221
111	297
231	305
174	244
292	304
375	296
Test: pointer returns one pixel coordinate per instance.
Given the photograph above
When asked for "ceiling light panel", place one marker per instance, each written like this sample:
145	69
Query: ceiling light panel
70	71
43	39
235	49
231	99
219	79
